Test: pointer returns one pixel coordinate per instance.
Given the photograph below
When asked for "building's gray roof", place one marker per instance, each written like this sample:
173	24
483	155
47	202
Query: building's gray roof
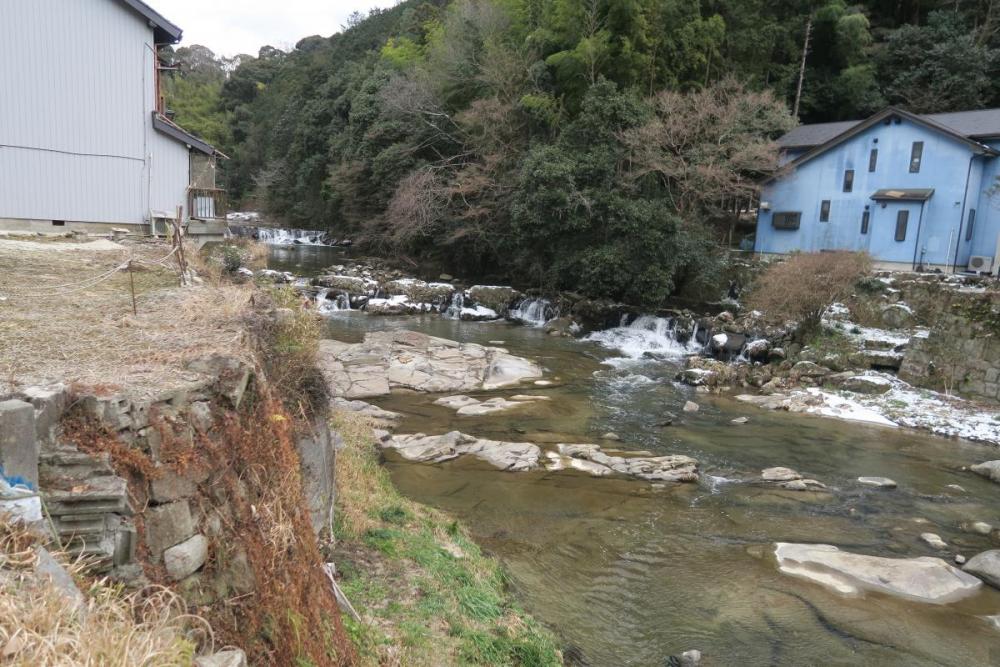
166	32
175	131
978	124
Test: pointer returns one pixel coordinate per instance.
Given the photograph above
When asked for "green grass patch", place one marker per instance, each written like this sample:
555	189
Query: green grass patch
428	594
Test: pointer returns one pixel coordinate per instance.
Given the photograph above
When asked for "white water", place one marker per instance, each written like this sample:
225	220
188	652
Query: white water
648	335
336	304
454	311
289	236
533	312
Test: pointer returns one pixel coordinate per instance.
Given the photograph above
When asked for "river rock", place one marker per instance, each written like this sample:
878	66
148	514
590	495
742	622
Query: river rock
489	406
456	402
779	474
350	284
897	316
691	406
419	291
986	566
878	482
366	409
611	436
809	369
934	541
739	420
803	485
396	305
388	360
672	468
867	384
990	470
924	579
980	528
496	298
513	456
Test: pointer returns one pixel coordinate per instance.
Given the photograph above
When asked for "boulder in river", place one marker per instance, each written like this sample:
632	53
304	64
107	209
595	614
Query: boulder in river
877	482
934	541
924	579
779	474
388	360
986	566
494	297
513	456
990	470
691	406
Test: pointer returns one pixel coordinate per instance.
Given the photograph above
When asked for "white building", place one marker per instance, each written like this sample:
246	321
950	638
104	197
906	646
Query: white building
84	142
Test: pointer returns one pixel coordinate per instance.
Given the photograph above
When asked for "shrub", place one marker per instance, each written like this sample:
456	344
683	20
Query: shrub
232	259
804	285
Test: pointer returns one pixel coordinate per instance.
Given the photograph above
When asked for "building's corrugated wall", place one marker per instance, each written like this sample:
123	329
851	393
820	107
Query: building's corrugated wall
76	97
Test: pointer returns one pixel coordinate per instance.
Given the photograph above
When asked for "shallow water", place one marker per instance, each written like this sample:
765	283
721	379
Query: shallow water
628	574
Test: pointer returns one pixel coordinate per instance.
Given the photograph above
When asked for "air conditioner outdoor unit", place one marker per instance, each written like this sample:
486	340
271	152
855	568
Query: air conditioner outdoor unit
980	264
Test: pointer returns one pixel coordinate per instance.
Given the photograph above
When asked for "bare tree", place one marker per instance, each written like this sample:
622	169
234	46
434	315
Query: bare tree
710	147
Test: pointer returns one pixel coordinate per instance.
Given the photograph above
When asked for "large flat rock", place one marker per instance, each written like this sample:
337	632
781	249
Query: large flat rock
523	456
388	360
924	579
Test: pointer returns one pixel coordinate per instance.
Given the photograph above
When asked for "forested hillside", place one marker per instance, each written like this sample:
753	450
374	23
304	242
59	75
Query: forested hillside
596	145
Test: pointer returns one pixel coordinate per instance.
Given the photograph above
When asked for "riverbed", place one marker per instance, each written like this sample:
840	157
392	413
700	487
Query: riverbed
629	573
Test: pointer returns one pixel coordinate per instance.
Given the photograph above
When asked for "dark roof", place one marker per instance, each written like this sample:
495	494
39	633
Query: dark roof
164	30
162	124
884	115
903	194
978	124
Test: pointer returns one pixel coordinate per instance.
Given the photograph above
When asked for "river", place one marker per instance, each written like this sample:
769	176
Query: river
628	574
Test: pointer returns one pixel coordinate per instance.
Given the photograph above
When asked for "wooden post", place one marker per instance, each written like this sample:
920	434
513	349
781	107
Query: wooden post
179	244
131	284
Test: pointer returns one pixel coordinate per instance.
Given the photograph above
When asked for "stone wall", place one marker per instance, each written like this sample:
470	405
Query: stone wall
174	512
961	352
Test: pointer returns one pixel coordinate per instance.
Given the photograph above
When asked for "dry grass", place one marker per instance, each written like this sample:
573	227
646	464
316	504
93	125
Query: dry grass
39	626
52	330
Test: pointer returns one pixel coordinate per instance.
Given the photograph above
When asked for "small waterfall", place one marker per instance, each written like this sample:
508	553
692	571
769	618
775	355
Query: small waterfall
290	236
533	312
648	335
326	304
454	310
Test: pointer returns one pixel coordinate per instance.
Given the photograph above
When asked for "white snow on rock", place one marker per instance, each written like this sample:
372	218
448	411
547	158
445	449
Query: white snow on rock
836	405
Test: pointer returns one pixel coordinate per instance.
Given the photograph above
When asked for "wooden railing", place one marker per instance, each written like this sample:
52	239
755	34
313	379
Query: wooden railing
206	203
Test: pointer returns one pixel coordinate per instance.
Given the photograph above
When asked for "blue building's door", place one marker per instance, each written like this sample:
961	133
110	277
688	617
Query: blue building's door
893	232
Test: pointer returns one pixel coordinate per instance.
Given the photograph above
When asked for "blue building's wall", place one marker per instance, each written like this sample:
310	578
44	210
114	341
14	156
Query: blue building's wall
986	237
935	228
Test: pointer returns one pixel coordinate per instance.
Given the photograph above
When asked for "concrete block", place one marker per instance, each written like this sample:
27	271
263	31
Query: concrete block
317	462
18	442
184	559
170	486
166	526
49	403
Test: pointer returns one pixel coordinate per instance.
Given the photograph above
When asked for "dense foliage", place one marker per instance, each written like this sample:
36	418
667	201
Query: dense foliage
599	145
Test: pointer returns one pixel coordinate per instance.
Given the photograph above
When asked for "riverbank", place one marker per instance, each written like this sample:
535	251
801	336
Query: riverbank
425	593
184	445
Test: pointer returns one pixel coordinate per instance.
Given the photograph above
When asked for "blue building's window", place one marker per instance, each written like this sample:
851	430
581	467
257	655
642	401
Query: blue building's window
873	159
865	218
824	211
902	218
848	180
972	224
786	220
916	154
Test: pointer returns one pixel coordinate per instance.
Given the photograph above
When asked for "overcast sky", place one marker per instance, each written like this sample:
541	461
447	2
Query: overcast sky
229	27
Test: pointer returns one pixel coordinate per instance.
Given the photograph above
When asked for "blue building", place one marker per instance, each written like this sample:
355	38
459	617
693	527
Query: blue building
913	191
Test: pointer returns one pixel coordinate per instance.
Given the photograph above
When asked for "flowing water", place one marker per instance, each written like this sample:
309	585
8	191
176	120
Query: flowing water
628	574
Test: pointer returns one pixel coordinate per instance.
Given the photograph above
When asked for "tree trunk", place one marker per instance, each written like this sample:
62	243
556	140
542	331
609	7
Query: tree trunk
802	68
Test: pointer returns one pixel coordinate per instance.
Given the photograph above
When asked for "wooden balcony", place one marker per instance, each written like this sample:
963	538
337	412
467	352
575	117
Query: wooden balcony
206	204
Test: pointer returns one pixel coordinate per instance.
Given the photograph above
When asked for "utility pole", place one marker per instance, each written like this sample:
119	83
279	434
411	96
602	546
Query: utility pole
802	67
